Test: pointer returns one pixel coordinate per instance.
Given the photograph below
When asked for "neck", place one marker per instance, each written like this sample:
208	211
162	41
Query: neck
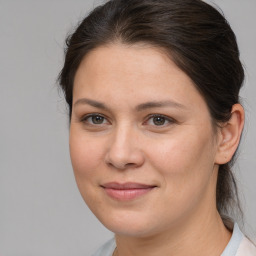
208	235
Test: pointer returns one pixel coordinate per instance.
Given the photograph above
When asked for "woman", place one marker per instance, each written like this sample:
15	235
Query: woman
155	121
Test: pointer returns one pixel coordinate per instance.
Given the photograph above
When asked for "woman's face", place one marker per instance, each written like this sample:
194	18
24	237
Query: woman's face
142	143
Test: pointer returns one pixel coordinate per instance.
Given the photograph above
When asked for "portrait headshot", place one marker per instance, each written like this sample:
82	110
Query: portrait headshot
128	128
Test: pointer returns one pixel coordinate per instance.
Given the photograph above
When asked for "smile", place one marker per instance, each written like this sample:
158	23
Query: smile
126	191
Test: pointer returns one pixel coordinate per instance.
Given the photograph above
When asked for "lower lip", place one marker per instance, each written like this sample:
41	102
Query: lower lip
127	194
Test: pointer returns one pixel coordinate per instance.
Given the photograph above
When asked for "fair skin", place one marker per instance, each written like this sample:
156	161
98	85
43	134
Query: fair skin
137	118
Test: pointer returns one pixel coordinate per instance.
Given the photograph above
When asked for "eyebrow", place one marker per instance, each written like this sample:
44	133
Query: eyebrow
92	103
140	107
159	104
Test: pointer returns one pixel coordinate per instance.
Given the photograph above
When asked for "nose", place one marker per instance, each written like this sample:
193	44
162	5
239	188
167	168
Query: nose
124	150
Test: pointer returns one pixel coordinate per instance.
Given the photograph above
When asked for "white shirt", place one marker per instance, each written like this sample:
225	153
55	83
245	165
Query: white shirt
238	245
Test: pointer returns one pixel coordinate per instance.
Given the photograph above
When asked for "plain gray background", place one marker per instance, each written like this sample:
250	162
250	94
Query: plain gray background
41	210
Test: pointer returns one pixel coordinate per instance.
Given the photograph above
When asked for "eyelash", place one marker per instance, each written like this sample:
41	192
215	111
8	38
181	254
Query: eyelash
166	119
85	118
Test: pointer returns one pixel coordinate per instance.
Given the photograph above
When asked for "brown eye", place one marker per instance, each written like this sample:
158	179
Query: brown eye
94	119
159	120
97	119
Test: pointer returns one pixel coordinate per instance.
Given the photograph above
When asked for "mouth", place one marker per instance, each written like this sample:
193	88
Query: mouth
126	191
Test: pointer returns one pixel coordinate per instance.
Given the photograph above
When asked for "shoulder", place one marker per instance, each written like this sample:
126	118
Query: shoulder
239	244
246	248
106	249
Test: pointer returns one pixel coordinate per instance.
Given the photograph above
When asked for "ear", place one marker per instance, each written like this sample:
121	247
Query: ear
230	134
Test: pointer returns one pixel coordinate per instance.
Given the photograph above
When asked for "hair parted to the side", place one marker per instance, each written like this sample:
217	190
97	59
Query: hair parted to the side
193	34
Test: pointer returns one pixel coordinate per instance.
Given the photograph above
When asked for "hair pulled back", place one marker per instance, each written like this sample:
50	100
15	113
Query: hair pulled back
194	35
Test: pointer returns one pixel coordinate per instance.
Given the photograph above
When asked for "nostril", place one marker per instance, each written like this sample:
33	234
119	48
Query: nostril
117	165
130	165
121	166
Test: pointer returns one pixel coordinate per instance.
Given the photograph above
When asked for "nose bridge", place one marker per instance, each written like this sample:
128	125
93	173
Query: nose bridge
123	148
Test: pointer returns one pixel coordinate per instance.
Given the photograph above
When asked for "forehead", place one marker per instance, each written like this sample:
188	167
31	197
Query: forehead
134	72
135	59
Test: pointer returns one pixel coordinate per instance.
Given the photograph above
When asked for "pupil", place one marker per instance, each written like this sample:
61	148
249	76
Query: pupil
97	119
159	120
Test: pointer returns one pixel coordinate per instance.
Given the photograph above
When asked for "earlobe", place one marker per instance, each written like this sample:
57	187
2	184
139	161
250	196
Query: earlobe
230	134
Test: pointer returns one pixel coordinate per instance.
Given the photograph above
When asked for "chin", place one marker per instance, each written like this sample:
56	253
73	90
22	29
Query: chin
131	231
133	225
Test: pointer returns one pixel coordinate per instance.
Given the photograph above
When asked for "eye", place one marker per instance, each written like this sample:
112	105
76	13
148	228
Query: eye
159	120
94	119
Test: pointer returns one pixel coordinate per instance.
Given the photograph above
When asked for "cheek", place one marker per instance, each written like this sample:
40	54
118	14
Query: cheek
184	160
86	157
185	166
85	153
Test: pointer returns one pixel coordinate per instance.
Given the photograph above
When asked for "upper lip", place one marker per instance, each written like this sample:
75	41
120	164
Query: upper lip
127	185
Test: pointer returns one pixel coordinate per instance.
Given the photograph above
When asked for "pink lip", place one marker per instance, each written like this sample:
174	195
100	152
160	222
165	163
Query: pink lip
126	191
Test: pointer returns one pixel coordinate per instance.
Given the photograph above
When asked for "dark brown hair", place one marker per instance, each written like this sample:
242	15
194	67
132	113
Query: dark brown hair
194	34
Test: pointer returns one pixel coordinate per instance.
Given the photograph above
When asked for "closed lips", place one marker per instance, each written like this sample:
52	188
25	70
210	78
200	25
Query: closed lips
126	186
126	191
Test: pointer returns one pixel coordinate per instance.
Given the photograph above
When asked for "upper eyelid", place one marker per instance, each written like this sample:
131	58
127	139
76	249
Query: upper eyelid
169	120
160	115
87	116
92	114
